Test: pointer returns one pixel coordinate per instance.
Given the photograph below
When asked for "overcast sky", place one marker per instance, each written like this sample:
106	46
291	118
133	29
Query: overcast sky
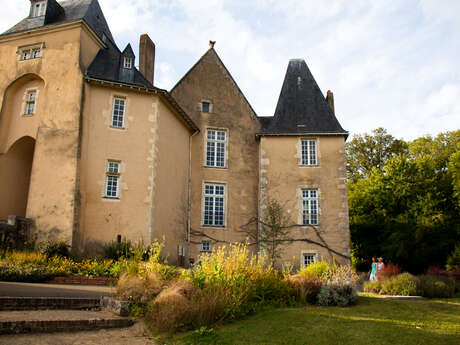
392	64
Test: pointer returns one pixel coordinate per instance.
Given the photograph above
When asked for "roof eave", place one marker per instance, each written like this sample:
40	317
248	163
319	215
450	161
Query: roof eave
345	134
163	93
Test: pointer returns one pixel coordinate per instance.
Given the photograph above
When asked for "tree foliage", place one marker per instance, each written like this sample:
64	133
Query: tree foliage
369	151
405	209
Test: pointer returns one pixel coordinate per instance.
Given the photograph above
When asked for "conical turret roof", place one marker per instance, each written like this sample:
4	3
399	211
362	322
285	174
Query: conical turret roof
301	108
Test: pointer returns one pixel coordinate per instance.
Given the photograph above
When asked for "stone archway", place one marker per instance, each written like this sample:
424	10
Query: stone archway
15	171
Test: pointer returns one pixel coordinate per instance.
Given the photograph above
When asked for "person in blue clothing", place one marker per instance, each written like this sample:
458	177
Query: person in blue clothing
373	275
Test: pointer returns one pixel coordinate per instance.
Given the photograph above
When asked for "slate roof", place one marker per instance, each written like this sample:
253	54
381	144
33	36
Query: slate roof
107	65
301	108
67	12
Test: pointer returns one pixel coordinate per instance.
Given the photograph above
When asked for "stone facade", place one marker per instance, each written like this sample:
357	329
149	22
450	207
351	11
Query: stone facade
193	165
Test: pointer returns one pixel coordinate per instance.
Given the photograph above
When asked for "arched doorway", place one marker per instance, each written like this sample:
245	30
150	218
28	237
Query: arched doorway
15	171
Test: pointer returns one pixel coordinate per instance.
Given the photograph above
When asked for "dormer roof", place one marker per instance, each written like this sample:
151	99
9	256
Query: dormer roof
128	51
302	108
66	12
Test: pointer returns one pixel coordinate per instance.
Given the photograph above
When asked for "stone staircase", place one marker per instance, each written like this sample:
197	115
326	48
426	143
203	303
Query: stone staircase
56	314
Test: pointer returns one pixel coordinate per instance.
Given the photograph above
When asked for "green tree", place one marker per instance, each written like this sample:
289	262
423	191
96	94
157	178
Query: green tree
407	211
368	151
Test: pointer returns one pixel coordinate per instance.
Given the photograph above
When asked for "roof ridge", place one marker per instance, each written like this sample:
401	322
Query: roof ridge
212	50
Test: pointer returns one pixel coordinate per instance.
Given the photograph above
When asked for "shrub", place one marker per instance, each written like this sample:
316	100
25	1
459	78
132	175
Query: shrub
138	289
54	248
388	271
306	289
315	270
340	295
404	284
453	261
436	287
372	286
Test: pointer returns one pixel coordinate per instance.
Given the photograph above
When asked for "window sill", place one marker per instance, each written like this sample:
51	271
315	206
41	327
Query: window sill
119	128
205	251
308	166
213	167
111	197
213	226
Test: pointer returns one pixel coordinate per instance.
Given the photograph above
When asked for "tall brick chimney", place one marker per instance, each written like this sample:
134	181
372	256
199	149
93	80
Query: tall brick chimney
330	100
147	57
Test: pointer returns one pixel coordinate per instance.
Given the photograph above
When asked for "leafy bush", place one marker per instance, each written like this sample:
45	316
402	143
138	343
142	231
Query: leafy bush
436	287
453	261
116	250
388	271
340	295
373	286
404	284
35	267
306	289
315	270
55	248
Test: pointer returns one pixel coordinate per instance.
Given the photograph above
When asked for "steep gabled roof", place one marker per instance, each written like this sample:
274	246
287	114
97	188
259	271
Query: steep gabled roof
211	51
128	51
66	12
301	108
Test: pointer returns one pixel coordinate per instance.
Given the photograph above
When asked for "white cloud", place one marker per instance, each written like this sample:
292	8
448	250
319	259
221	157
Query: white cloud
389	63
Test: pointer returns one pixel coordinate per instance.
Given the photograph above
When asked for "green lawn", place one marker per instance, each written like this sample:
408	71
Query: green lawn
372	321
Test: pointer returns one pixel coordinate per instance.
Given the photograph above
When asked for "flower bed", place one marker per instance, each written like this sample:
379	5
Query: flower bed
36	267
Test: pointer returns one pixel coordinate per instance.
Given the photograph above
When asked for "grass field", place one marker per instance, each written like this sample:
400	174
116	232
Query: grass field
372	321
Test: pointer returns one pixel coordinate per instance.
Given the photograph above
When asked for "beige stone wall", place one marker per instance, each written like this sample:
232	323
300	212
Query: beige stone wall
283	178
170	159
58	74
103	219
153	151
209	81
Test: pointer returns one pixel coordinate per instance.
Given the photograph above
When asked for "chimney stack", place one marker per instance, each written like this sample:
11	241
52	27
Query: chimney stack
330	100
147	57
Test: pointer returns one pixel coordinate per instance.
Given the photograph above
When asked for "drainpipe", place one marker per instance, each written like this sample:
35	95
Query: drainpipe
189	199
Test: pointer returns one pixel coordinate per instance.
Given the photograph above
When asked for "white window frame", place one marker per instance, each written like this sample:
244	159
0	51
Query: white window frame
31	52
310	206
38	9
212	199
128	62
313	257
118	111
30	102
206	246
216	142
308	152
112	177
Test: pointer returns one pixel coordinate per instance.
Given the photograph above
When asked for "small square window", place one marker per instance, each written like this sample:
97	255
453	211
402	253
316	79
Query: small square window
128	62
205	246
308	259
25	55
36	53
205	107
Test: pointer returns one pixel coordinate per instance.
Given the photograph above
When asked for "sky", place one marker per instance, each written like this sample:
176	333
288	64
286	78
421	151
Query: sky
392	64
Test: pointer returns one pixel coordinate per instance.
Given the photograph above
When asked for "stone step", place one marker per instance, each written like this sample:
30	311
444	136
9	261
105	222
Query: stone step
45	303
49	321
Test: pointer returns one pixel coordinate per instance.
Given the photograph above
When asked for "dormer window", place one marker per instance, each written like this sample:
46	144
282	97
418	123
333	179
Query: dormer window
128	62
38	9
